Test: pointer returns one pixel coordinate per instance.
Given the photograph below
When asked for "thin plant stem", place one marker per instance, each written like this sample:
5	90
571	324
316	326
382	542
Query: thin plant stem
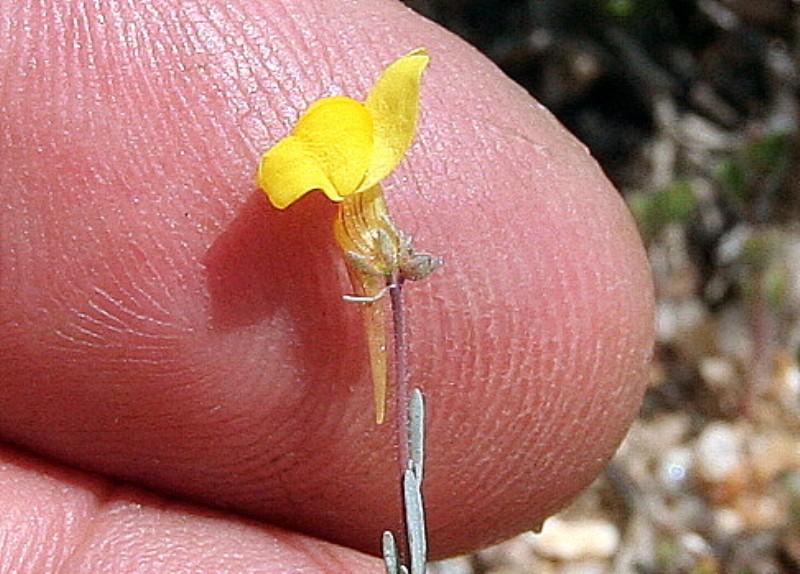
401	392
401	389
410	420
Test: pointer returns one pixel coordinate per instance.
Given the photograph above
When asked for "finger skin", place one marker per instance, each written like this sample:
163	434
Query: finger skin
57	520
161	323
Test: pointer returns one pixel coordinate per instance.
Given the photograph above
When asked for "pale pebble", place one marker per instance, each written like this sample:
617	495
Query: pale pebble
579	540
674	468
719	452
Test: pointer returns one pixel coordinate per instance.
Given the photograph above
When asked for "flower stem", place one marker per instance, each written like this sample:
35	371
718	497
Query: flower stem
400	352
409	557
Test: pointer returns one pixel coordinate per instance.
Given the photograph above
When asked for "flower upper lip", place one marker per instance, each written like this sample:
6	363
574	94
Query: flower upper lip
342	146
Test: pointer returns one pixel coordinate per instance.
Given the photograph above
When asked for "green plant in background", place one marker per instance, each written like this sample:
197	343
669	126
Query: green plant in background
764	261
753	182
633	11
758	252
751	179
621	8
654	211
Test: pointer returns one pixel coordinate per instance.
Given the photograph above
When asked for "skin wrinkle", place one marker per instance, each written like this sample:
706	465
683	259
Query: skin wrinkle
592	280
260	92
153	300
579	291
189	546
48	544
83	338
144	281
297	453
492	304
310	53
295	60
135	326
11	50
90	529
152	278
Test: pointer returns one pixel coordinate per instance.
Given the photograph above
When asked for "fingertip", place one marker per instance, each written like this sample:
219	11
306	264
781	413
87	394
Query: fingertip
198	336
60	520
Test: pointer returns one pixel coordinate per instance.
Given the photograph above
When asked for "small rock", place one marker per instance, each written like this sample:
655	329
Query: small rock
675	317
689	509
590	567
459	565
581	540
717	371
674	468
751	513
786	381
508	554
763	513
718	451
773	454
727	523
733	334
694	544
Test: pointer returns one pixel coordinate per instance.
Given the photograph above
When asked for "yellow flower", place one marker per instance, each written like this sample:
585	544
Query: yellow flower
342	146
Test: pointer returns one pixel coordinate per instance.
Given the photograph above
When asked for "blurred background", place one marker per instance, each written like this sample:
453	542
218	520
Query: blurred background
691	107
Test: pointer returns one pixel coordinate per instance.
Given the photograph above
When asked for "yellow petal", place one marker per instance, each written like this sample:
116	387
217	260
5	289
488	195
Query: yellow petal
393	104
289	170
329	149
